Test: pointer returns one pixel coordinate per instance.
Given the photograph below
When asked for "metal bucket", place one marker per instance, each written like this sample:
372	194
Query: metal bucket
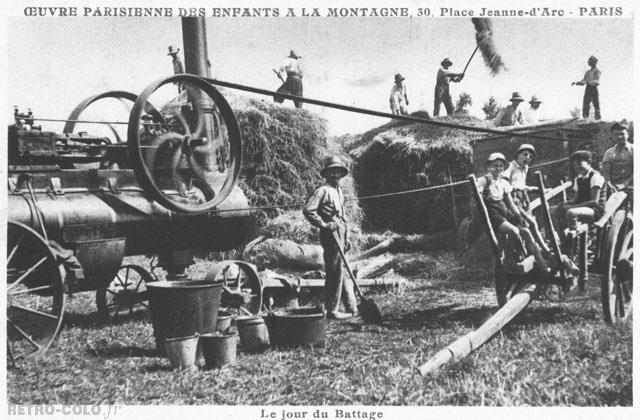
182	352
297	327
254	335
183	308
219	349
223	323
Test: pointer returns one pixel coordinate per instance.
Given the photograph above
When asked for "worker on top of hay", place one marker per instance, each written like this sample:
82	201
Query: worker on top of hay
588	202
617	163
504	216
325	210
178	68
530	116
442	95
293	84
516	174
510	115
591	79
398	101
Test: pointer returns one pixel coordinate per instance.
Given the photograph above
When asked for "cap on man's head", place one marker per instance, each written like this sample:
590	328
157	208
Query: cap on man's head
593	59
496	156
581	155
529	147
619	126
445	62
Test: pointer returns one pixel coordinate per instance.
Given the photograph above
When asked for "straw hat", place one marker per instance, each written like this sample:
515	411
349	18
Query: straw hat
399	78
515	97
292	54
535	100
445	62
333	162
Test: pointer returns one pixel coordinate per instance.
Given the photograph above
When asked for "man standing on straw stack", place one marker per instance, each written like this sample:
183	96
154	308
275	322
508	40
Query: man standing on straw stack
591	79
325	210
293	85
442	95
398	100
510	115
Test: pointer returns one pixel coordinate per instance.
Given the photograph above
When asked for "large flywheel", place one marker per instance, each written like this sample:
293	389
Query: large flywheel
35	292
193	164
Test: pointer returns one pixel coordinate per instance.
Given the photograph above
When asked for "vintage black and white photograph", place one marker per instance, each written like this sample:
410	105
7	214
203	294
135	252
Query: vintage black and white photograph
318	209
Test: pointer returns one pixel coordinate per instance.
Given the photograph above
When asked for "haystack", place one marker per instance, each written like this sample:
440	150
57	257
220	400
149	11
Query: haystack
403	156
283	151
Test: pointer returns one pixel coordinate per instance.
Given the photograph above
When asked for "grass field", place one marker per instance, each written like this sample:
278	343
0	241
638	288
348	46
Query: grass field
555	354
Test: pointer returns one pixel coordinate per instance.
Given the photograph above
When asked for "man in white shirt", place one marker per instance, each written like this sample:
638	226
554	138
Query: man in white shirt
292	67
398	101
617	163
531	115
591	79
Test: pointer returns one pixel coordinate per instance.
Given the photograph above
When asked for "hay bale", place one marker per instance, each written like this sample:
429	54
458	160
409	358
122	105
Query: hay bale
402	156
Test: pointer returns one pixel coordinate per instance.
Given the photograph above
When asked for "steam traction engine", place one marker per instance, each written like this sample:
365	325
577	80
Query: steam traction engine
77	204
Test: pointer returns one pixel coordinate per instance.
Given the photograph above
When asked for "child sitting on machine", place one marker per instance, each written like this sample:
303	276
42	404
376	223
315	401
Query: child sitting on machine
588	203
504	216
516	174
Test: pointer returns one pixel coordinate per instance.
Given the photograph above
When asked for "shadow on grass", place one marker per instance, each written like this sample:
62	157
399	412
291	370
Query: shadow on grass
92	321
446	316
120	351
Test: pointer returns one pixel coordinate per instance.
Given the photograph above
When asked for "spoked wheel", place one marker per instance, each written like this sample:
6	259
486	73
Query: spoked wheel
103	100
126	294
35	293
617	281
240	279
194	164
506	286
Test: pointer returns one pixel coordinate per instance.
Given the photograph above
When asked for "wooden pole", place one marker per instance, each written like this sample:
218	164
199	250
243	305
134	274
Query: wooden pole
547	215
463	346
452	195
486	222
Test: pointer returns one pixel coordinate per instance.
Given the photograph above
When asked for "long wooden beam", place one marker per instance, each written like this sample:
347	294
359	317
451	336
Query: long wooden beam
464	345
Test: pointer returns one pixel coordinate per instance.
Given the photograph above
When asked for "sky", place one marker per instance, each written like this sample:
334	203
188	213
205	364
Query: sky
54	63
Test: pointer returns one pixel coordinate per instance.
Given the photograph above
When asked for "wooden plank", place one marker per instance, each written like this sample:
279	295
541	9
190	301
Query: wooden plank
466	344
535	203
547	216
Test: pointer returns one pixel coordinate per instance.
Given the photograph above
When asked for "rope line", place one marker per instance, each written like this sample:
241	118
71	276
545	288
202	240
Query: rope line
350	199
407	118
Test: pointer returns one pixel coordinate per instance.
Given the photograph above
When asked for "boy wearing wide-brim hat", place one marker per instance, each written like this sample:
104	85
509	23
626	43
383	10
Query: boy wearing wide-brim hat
398	100
442	94
591	80
292	67
325	210
510	115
